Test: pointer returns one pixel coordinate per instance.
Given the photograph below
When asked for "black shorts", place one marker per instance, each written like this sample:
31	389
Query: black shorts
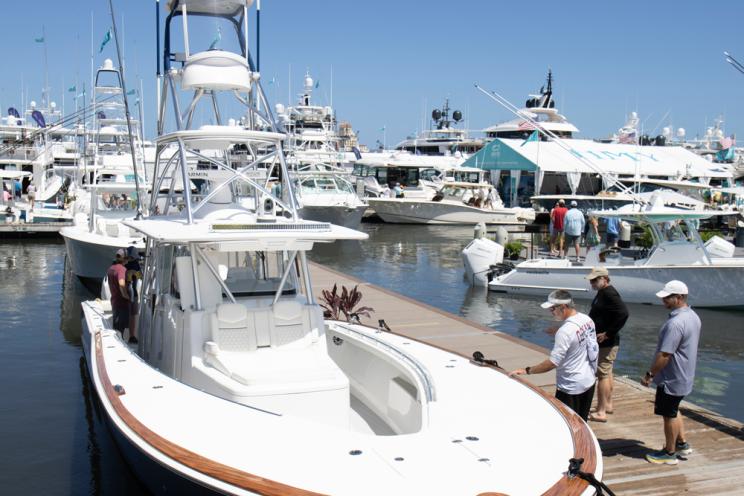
579	403
121	318
611	238
665	404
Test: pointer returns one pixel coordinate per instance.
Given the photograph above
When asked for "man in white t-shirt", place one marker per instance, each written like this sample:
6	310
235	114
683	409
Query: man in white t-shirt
574	354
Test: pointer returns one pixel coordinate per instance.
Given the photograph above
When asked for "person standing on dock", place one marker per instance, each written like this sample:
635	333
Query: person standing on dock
673	369
609	314
574	227
574	355
557	216
117	275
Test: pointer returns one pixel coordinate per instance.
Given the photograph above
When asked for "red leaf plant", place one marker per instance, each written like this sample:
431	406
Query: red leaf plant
335	305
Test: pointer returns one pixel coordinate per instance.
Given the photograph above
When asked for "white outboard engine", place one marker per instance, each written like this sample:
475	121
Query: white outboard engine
480	256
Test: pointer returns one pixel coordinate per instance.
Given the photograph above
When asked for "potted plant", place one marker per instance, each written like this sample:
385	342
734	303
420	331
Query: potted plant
334	305
513	249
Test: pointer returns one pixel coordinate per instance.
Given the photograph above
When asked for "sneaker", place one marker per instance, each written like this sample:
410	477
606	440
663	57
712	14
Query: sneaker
683	448
132	340
662	457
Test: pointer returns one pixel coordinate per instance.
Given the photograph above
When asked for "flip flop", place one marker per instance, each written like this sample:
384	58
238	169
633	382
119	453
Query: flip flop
594	418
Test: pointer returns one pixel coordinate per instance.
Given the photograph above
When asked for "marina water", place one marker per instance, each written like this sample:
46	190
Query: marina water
54	439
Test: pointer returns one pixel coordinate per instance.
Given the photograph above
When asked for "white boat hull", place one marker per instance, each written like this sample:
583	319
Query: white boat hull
179	439
90	255
710	286
339	215
410	211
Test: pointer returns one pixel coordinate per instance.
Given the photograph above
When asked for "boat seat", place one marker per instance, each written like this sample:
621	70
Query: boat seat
216	70
233	329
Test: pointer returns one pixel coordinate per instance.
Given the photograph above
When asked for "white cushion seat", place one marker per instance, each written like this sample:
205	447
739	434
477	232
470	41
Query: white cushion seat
216	70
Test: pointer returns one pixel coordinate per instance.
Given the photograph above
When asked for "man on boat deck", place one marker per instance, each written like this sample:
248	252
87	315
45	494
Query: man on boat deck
673	369
117	275
557	216
574	354
573	226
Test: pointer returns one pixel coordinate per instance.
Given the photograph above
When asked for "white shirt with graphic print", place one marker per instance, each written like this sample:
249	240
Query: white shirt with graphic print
575	353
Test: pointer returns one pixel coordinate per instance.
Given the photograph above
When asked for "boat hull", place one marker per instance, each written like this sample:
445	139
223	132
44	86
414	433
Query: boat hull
91	255
339	215
710	286
404	211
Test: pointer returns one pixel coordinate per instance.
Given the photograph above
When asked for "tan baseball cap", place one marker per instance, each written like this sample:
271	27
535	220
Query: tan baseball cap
597	272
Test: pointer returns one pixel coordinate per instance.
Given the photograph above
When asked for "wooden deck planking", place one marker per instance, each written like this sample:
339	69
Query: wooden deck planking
715	467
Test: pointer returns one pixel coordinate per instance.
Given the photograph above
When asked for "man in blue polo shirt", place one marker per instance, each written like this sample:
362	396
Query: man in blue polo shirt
673	369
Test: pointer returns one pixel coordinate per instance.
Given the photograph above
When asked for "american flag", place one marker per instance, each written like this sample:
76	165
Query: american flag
524	125
627	138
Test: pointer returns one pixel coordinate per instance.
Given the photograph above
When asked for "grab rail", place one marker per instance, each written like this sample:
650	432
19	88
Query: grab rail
419	369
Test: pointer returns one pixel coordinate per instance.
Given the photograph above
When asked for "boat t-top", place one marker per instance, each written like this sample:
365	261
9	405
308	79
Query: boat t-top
240	385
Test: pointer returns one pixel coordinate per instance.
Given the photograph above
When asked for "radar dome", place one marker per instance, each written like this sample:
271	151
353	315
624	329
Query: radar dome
436	114
32	104
308	82
53	105
666	132
279	108
681	132
457	115
108	65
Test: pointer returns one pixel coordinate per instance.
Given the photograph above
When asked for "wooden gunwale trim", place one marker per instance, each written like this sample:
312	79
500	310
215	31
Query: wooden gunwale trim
206	466
580	434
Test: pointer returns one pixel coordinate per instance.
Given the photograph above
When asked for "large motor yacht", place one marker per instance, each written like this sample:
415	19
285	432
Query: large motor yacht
539	108
443	138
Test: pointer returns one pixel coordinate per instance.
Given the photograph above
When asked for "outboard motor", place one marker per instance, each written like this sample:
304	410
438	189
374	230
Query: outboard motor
480	256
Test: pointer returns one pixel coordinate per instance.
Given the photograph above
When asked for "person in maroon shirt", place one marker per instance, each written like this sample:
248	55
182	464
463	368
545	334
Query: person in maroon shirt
557	216
117	275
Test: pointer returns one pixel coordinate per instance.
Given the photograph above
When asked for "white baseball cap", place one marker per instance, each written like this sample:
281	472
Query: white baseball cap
553	301
673	287
121	253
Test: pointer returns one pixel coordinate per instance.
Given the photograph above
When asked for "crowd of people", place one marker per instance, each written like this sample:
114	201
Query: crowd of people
585	348
569	225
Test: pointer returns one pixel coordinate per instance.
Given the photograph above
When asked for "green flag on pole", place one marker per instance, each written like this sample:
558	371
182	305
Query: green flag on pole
131	92
72	89
39	40
106	39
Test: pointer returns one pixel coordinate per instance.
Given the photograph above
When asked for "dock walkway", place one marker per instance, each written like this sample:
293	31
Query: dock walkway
716	466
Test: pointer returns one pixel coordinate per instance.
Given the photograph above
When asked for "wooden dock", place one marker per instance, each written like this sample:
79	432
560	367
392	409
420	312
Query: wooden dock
31	229
716	466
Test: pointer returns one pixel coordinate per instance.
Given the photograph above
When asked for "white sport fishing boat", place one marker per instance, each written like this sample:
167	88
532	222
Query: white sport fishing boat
112	196
239	386
709	269
455	203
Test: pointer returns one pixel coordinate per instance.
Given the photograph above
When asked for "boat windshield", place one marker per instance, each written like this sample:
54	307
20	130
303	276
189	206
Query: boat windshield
325	185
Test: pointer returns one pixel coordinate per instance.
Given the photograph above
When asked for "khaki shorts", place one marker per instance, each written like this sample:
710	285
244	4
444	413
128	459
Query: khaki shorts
605	360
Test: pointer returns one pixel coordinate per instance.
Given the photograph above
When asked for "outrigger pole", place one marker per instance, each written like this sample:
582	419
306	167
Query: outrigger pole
126	112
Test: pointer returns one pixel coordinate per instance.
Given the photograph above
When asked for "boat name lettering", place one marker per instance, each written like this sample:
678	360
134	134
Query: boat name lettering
634	156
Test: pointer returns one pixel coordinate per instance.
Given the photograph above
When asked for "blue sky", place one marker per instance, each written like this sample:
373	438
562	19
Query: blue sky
393	61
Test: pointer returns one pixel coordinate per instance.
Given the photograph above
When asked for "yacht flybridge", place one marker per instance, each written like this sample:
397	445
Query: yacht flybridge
239	386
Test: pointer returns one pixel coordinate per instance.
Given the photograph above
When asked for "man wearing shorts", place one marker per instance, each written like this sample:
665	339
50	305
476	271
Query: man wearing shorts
557	216
573	226
673	369
609	314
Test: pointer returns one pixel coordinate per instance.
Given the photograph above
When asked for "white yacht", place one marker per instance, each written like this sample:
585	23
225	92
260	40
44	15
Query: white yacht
710	270
443	138
239	386
539	108
328	197
111	196
454	203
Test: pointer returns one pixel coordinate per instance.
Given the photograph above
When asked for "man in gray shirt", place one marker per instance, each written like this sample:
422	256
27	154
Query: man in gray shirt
673	369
